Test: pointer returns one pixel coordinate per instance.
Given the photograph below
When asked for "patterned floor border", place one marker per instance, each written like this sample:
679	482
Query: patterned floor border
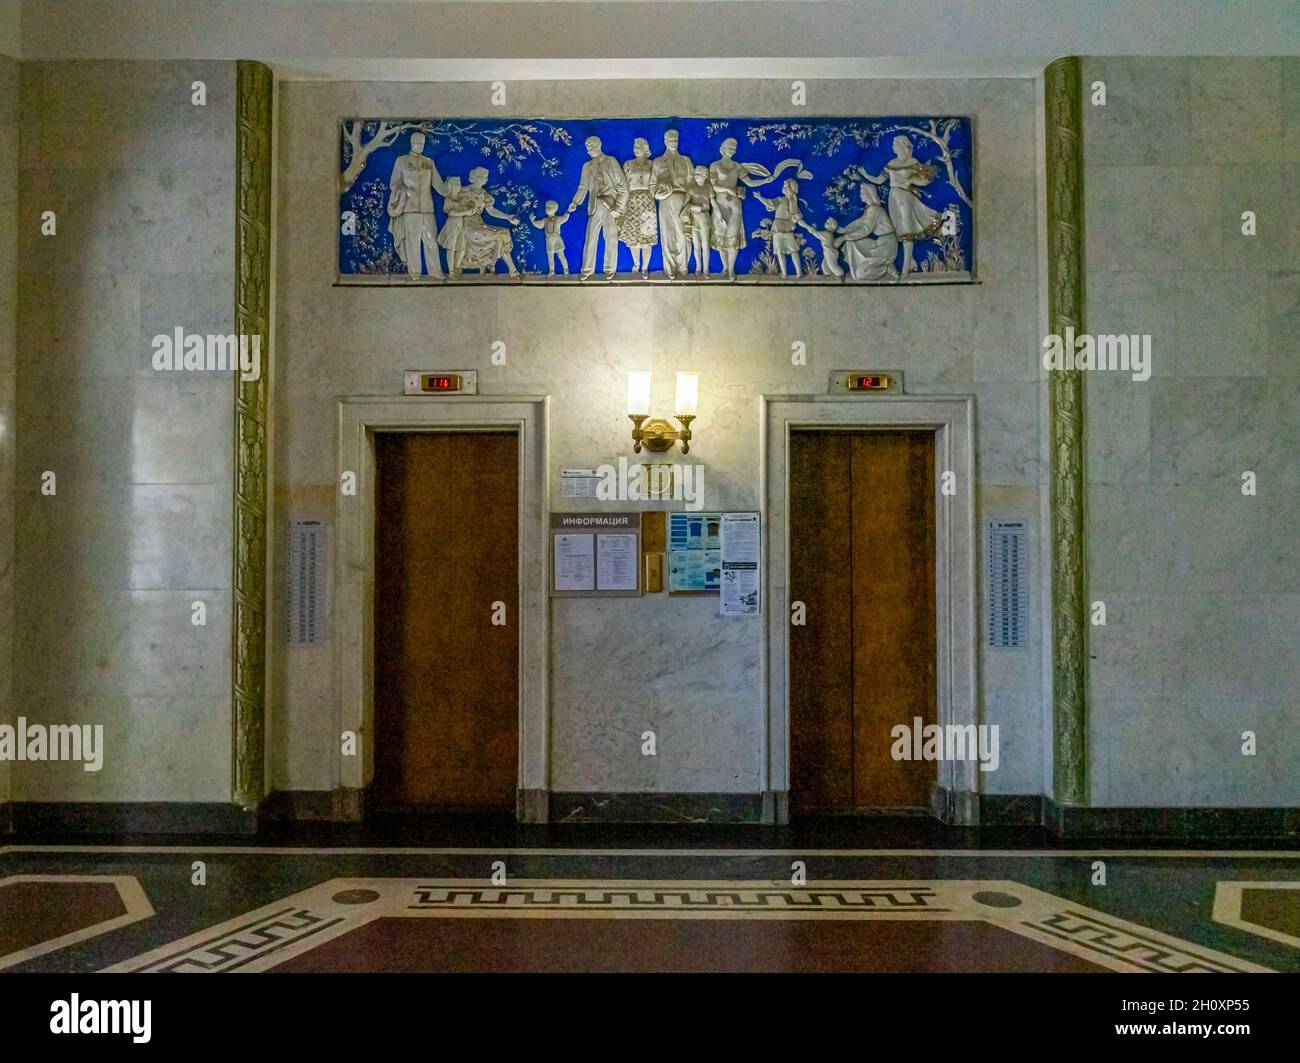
261	939
128	889
1227	909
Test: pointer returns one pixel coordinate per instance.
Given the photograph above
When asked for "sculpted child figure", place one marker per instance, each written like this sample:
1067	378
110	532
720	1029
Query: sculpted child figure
698	220
554	241
785	242
830	248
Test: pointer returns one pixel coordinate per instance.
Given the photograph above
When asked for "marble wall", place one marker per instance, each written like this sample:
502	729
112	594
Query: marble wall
669	664
142	183
8	384
1201	583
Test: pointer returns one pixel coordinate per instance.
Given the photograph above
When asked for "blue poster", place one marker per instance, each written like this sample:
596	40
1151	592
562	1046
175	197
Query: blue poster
812	200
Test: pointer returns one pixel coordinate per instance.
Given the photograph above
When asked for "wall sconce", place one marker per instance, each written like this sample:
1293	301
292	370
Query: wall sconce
658	435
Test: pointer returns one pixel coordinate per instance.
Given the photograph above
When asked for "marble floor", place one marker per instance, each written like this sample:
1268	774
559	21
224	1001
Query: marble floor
704	903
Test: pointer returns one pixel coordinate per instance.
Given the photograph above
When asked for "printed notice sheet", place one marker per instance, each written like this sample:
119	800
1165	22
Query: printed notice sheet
694	559
575	562
578	483
616	562
739	541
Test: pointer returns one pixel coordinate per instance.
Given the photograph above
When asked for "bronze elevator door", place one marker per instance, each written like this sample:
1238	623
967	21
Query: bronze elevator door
862	562
446	677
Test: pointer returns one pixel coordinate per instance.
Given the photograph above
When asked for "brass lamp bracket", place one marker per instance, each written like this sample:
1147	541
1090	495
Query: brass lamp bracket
657	435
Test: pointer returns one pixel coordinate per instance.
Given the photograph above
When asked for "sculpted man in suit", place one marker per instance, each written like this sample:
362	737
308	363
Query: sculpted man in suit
410	209
604	186
672	178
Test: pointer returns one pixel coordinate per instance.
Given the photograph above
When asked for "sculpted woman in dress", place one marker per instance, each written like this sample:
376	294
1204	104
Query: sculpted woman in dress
870	244
726	176
639	227
470	242
912	219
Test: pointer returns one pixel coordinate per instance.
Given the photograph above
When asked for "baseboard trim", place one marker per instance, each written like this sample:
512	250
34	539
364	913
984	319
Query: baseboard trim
344	805
1072	821
133	817
683	808
959	808
532	806
1179	824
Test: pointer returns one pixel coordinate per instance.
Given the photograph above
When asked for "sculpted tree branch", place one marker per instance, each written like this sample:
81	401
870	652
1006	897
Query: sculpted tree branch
388	132
940	137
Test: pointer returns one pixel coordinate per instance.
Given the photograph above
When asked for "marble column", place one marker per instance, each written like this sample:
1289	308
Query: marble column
1065	234
252	318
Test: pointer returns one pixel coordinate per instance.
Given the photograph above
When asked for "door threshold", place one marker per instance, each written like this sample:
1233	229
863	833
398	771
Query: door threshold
906	811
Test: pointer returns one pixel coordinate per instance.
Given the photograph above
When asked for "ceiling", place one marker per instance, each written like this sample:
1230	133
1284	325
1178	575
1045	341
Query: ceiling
528	39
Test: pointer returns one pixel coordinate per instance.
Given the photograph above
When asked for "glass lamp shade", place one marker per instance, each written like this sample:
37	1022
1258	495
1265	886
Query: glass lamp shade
638	393
688	390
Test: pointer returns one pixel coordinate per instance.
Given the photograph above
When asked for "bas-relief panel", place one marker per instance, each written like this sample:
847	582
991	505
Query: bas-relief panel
858	200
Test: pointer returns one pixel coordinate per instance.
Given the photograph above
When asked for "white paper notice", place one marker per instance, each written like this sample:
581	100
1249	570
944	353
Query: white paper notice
616	562
575	562
739	541
578	483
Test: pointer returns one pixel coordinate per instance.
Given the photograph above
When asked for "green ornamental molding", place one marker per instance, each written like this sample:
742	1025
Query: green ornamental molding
1063	87
252	318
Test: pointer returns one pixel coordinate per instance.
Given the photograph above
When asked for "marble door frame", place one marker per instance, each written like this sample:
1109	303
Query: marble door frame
952	420
353	613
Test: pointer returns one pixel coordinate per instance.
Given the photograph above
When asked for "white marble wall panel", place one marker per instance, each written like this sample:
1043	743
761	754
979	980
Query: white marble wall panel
1203	629
108	569
1010	678
668	664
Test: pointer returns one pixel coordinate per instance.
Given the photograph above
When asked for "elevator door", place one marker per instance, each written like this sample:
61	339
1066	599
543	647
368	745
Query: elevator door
446	676
862	544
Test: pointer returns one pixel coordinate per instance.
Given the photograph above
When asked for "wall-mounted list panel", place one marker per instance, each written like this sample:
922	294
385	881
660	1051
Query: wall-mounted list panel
1008	591
308	544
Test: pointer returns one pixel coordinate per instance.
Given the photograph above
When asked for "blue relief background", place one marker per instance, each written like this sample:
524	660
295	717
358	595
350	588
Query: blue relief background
531	160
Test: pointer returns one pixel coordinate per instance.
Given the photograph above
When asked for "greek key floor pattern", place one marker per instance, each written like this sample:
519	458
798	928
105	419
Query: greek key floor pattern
227	909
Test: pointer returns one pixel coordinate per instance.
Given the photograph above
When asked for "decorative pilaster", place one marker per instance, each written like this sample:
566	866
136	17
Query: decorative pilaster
252	318
1063	86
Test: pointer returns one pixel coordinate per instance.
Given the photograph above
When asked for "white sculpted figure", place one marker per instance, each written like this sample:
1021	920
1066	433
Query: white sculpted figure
830	248
911	218
637	227
672	174
604	186
410	209
870	243
470	242
785	241
699	218
727	177
554	241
